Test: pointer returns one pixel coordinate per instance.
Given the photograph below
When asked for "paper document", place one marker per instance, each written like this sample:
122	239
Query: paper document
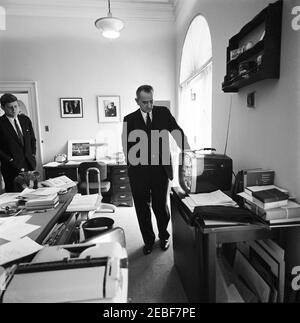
15	230
52	164
17	249
74	162
213	198
84	203
221	223
40	192
8	198
61	182
187	202
14	219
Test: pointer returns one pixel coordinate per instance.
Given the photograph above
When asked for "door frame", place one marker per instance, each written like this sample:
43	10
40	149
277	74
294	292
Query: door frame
29	87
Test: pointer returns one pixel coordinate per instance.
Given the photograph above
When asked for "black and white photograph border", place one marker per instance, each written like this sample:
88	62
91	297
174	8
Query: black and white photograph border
109	109
71	107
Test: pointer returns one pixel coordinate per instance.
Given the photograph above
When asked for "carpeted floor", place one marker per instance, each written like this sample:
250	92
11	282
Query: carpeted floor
152	278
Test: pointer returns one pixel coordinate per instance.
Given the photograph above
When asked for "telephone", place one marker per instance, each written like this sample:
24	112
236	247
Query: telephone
61	158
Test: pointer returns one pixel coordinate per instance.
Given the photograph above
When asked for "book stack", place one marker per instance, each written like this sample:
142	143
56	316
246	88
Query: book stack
269	201
82	203
40	199
43	203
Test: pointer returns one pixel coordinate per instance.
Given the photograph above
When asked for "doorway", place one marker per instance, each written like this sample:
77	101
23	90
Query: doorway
26	92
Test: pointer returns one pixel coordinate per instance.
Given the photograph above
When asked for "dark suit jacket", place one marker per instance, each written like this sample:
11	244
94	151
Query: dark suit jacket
162	119
11	146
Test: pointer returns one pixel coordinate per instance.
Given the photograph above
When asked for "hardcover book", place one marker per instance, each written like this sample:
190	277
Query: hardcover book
262	205
290	211
270	195
256	177
250	189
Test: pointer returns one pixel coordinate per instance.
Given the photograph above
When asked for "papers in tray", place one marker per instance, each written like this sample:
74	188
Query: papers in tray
82	203
205	199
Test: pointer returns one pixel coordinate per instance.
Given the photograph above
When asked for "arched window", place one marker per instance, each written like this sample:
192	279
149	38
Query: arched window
195	88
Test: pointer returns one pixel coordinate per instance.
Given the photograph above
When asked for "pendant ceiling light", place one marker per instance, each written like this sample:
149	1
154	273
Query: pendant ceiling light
110	26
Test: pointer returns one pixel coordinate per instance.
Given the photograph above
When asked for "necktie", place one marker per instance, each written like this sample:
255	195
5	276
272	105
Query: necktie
19	132
148	122
148	126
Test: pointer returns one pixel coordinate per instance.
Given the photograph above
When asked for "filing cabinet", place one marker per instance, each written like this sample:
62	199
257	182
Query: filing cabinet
121	191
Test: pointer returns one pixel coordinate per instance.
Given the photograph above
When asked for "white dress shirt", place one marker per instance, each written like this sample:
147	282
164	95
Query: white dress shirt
11	120
144	115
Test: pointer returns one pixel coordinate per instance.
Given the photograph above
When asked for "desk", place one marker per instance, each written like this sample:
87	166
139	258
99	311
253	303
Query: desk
120	192
195	248
47	219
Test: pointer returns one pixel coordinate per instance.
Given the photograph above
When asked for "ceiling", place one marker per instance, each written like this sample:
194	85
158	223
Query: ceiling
127	9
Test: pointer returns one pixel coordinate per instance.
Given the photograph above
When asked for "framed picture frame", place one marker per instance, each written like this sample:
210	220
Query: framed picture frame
81	149
109	108
71	107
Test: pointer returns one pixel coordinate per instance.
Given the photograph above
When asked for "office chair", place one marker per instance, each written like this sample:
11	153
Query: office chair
92	180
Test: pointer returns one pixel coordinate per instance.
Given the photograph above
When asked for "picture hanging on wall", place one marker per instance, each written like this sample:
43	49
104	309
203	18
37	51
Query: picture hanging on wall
109	108
71	107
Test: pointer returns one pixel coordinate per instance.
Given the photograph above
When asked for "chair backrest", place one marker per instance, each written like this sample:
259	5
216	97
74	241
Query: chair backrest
93	177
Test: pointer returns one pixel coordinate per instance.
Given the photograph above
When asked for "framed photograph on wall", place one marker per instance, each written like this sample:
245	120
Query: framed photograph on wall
109	108
81	149
71	107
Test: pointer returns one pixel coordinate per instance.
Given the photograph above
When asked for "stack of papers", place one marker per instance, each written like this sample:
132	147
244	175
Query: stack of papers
61	182
41	198
84	203
205	199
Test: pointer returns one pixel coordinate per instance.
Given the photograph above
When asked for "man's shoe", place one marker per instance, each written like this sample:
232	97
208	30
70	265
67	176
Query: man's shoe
164	244
147	249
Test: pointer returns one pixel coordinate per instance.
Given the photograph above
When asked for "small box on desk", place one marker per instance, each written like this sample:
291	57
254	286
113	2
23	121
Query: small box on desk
254	177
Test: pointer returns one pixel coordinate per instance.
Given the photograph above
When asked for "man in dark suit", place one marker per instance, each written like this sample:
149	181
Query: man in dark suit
145	141
17	142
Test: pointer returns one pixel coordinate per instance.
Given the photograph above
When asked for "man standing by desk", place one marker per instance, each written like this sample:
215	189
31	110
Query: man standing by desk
146	147
17	141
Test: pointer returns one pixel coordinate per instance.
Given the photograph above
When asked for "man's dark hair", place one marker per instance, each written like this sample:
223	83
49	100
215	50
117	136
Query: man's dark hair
7	98
144	88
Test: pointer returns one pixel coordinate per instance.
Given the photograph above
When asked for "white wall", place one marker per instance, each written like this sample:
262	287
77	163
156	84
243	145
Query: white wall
68	57
267	136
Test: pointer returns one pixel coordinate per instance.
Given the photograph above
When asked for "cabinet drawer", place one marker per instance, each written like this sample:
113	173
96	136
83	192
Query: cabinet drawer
122	196
55	172
120	178
121	188
119	170
123	203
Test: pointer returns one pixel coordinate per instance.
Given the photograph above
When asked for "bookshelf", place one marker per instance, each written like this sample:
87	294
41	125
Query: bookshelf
253	54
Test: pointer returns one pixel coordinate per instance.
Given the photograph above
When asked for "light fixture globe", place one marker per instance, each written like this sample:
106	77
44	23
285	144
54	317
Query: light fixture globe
110	26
